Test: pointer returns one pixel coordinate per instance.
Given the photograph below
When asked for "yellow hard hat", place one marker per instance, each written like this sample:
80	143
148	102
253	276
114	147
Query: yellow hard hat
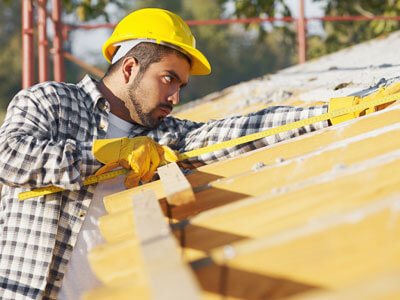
163	27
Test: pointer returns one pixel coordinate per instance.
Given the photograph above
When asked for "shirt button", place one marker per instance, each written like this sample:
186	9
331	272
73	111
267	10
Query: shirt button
58	278
69	247
102	126
81	214
105	107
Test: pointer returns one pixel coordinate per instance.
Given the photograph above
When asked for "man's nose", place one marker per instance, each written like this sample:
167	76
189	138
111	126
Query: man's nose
174	97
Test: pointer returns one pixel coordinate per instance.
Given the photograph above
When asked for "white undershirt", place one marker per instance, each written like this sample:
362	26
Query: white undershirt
79	277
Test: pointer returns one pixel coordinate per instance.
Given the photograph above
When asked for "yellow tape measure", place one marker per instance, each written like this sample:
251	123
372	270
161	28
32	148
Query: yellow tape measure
234	142
53	189
290	126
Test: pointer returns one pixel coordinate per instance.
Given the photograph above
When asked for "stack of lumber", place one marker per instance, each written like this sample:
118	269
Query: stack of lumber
315	217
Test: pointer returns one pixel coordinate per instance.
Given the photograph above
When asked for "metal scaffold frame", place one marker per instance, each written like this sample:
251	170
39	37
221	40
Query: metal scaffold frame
61	33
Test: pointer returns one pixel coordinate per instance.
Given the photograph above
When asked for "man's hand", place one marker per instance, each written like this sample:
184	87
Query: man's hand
140	154
338	103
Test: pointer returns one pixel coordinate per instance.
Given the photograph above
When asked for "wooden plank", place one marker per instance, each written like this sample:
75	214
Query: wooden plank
300	145
332	253
117	261
381	287
168	276
344	230
178	190
272	178
152	256
117	226
272	155
271	213
122	200
121	290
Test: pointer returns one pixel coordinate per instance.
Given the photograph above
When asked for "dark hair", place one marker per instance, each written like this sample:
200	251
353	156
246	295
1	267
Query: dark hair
146	54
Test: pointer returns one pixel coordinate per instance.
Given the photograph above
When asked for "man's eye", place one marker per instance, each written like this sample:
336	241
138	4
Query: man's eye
168	78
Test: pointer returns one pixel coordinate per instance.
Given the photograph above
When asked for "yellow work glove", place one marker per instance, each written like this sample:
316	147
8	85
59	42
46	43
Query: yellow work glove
344	102
140	154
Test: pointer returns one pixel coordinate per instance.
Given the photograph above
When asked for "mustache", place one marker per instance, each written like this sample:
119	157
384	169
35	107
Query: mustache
165	105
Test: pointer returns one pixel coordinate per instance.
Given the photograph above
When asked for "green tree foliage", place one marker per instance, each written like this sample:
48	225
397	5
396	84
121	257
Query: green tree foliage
257	9
10	54
88	9
345	33
11	41
337	35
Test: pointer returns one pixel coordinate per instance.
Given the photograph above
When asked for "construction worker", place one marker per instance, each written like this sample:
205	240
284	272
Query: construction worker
58	134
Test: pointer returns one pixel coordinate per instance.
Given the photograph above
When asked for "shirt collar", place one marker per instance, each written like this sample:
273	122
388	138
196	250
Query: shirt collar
89	86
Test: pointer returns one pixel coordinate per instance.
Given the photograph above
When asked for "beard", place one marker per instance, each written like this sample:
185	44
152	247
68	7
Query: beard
137	98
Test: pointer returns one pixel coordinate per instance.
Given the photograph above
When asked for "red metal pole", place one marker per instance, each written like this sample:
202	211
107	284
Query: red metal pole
43	42
301	34
28	63
58	58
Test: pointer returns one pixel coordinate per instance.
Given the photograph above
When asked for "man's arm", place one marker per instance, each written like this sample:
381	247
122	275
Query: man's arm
32	152
198	135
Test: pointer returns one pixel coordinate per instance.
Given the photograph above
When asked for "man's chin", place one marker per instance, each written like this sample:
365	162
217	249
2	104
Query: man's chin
153	123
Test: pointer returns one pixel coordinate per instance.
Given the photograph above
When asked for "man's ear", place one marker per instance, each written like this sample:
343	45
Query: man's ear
130	68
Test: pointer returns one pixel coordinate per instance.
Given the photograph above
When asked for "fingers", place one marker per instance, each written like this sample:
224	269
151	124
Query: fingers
138	159
167	155
144	160
154	162
170	155
143	156
106	168
131	179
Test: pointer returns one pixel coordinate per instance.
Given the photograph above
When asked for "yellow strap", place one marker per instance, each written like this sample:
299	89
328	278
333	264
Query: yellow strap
234	142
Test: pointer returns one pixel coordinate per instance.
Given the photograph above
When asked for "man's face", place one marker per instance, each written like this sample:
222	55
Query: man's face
152	96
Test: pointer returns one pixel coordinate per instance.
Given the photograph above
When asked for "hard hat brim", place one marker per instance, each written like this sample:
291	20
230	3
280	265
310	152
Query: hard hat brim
200	64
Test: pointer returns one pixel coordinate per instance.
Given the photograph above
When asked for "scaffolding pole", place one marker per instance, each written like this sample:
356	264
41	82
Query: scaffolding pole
28	63
57	50
42	41
301	34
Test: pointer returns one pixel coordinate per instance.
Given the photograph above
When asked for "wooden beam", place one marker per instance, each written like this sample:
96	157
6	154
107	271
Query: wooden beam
178	190
339	191
381	287
266	180
334	251
117	226
168	276
120	290
272	178
268	156
326	235
330	250
151	256
122	200
117	261
295	147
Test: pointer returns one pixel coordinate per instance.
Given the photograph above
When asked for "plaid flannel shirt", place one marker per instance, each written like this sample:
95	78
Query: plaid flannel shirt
46	139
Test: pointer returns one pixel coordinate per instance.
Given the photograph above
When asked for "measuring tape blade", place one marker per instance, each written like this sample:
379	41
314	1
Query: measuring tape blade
223	145
39	192
53	189
287	127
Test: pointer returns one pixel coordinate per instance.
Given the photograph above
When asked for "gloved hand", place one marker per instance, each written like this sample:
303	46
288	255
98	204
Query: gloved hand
344	102
140	154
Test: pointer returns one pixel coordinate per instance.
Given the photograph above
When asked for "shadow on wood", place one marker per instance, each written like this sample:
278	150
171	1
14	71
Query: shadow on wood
206	199
236	283
215	238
